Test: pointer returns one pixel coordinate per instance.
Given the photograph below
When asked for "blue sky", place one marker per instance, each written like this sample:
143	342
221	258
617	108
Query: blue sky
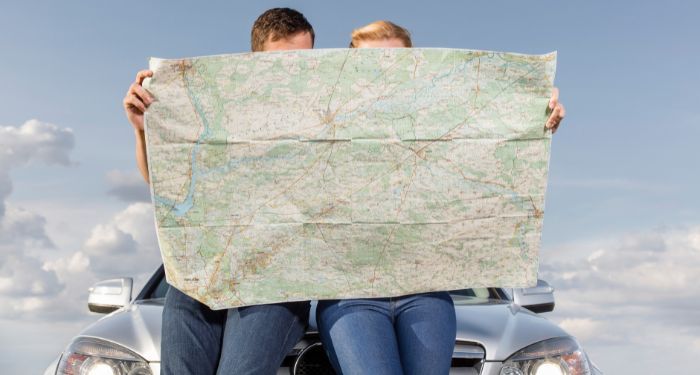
624	164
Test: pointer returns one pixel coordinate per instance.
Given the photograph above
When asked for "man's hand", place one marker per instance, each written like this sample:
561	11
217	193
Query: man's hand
137	100
557	111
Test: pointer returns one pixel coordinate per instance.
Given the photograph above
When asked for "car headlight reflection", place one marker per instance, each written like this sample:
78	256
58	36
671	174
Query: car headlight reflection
88	356
557	356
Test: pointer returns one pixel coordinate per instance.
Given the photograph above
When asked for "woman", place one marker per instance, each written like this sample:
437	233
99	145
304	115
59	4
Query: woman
412	334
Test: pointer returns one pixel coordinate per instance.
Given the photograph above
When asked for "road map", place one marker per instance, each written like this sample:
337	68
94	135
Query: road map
343	173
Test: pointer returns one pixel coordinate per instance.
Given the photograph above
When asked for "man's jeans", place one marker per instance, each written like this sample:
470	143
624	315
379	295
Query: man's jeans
246	340
413	334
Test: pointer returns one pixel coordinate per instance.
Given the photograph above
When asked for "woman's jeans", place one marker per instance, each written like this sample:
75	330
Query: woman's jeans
412	334
246	340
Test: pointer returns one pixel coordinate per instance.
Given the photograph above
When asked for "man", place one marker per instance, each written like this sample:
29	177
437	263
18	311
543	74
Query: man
246	340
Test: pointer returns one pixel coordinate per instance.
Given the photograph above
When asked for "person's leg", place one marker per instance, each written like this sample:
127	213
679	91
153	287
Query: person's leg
359	336
426	329
257	338
190	336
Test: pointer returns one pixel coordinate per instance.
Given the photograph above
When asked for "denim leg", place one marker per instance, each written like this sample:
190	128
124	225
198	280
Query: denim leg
359	336
257	338
426	329
191	335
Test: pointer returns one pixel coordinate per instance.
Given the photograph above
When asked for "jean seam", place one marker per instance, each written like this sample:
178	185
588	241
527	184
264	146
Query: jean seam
289	331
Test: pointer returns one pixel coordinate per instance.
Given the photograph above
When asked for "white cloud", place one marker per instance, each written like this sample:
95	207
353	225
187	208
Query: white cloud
108	239
33	288
139	220
128	186
126	246
33	141
78	262
24	284
662	261
596	254
20	228
636	290
24	276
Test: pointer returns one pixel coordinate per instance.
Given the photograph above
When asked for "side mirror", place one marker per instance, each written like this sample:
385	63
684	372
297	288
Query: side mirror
537	299
109	295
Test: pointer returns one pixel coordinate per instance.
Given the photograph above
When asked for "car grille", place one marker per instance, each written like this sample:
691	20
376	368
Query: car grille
312	360
467	358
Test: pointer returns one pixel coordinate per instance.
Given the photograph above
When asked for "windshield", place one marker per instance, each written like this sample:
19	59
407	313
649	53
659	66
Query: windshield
475	296
157	287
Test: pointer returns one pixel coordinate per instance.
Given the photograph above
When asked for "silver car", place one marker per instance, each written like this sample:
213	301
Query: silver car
498	333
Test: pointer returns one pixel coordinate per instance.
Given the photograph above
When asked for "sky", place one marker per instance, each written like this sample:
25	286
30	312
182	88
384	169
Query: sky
621	237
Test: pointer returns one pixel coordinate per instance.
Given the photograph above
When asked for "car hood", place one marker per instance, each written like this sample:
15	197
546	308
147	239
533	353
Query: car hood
136	327
502	328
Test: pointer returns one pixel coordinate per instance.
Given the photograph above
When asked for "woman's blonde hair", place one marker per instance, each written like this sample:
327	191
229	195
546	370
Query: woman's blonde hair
380	30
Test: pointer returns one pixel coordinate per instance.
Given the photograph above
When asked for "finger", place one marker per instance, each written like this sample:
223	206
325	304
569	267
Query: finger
142	74
562	113
134	102
139	91
554	118
554	99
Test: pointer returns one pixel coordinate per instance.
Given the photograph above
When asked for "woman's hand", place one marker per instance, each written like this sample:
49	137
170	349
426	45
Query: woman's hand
557	111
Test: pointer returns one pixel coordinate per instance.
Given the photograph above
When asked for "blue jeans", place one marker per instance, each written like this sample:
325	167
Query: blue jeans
412	334
246	340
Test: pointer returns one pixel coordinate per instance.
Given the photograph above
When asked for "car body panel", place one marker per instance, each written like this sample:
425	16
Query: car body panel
502	328
499	326
136	327
491	321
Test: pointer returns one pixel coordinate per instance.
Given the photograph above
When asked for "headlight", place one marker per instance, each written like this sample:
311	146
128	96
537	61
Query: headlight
558	356
88	356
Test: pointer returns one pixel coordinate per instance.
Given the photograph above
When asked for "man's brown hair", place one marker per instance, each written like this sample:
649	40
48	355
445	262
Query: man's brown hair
276	24
379	30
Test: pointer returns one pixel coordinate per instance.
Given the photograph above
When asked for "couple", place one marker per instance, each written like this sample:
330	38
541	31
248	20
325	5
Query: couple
410	334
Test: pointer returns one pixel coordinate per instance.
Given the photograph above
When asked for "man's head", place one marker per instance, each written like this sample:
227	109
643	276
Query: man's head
380	34
281	29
